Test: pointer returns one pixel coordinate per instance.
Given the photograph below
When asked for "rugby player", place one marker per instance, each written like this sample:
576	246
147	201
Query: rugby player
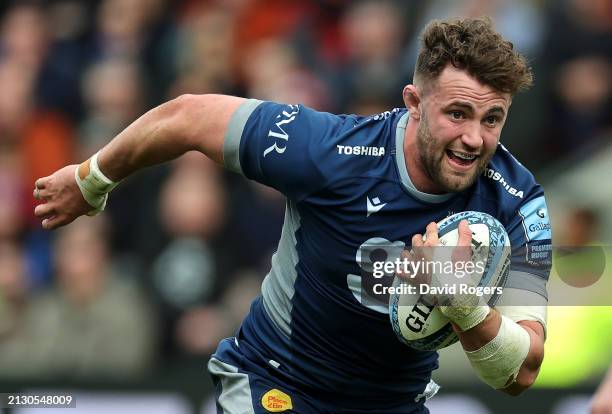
310	344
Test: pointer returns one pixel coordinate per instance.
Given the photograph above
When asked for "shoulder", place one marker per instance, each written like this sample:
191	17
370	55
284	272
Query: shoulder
345	140
277	117
294	147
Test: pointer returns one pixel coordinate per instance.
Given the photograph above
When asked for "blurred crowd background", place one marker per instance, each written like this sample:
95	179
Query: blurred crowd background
154	283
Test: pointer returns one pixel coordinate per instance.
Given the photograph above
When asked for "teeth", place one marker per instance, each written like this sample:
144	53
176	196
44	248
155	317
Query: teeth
463	155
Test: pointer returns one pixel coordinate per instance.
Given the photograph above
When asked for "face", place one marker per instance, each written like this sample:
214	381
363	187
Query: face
458	131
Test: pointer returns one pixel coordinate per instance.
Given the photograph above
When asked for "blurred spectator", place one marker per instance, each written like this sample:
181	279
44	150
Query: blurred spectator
24	36
192	262
48	48
510	19
123	26
13	198
579	227
16	338
34	141
205	60
259	20
201	328
373	32
578	76
276	74
94	323
113	95
43	139
141	31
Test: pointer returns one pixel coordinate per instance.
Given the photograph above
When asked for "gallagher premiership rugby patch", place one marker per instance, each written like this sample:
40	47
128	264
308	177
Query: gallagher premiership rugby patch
536	222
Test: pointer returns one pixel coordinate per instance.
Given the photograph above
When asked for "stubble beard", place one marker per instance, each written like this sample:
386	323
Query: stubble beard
431	156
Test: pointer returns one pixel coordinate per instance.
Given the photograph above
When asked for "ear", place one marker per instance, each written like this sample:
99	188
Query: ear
412	100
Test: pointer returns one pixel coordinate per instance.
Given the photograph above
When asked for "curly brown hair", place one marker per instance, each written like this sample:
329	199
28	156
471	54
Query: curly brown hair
472	45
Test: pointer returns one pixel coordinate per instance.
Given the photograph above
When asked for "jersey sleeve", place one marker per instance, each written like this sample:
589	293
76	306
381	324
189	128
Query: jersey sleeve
530	237
287	147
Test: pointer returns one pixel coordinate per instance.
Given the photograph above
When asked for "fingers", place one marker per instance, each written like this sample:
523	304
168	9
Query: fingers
405	257
56	221
430	239
465	234
41	194
51	220
463	251
421	244
431	234
44	210
417	247
417	241
41	182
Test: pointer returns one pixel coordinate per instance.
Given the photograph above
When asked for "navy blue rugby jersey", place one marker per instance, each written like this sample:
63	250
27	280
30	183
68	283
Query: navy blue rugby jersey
350	202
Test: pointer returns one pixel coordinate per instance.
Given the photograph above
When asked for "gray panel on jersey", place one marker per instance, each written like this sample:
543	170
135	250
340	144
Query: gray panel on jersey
231	141
400	134
527	281
278	287
235	397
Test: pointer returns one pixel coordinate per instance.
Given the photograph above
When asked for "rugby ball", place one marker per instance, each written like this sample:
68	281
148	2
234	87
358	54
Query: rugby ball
424	327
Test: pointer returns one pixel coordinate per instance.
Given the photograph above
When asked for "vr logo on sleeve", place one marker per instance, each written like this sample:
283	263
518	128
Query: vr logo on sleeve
536	222
278	134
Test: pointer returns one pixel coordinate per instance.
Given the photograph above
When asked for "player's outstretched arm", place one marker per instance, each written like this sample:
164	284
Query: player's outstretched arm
189	122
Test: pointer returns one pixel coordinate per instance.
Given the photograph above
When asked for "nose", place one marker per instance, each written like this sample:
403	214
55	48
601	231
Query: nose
471	136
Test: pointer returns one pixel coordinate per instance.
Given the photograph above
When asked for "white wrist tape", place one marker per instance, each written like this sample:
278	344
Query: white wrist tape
502	357
466	316
95	186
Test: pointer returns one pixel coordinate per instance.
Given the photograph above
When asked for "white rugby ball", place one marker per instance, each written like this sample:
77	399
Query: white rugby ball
424	327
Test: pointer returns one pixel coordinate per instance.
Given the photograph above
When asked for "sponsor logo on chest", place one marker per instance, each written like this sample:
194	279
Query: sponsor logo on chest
361	150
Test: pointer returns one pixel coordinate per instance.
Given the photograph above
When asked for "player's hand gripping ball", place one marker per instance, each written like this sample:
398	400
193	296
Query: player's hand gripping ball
420	324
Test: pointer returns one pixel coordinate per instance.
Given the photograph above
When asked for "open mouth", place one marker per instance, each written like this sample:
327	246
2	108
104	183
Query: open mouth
461	159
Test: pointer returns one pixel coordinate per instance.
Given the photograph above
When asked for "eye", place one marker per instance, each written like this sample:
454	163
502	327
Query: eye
456	115
491	120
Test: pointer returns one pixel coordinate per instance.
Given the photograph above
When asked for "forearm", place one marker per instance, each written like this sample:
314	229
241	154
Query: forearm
474	339
481	334
152	139
190	122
